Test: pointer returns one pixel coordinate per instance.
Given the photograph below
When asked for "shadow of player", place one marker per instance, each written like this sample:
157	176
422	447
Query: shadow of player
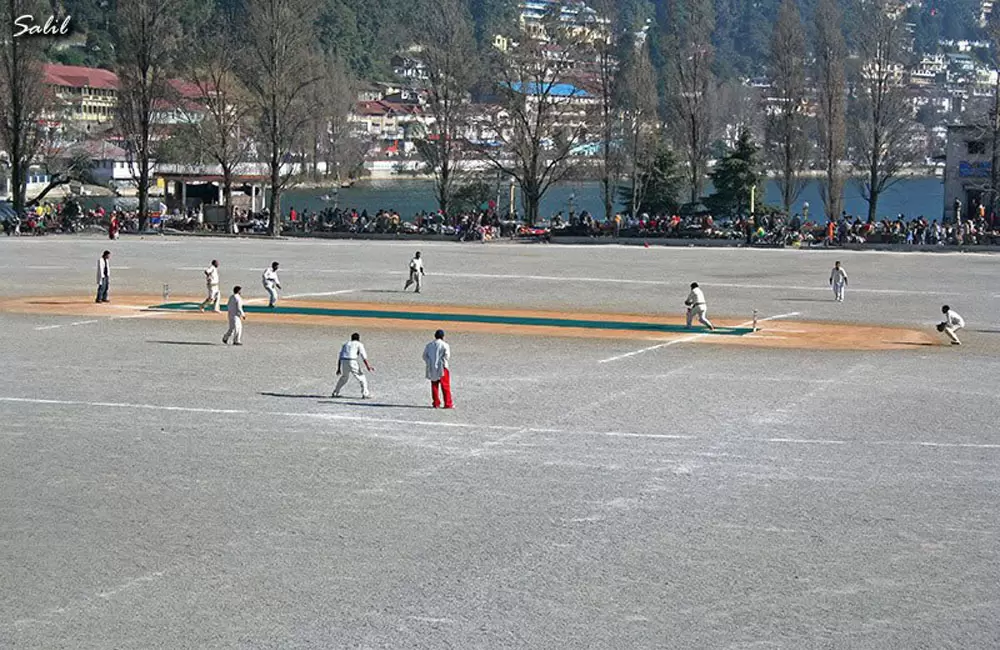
294	396
375	404
182	342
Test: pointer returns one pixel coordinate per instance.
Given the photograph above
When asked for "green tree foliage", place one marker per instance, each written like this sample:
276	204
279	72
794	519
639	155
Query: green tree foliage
492	17
733	178
366	33
473	196
662	180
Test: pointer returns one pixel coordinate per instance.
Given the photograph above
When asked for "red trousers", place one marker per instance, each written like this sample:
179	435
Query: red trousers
445	384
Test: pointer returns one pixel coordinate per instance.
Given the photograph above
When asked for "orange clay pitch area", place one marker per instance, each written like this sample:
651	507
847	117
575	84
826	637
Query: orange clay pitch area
771	334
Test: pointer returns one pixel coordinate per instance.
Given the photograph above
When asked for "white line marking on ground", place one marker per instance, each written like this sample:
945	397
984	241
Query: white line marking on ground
305	295
651	348
144	314
469	425
324	293
689	338
563	278
798	441
48	268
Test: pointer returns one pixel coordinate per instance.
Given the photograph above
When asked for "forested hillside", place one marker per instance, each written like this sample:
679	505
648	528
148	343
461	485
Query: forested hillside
366	33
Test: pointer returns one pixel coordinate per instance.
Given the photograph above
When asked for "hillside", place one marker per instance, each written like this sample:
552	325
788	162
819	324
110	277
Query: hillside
366	33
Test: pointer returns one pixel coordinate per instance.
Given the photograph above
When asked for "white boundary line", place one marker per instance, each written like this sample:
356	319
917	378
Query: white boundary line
687	339
613	281
489	427
143	314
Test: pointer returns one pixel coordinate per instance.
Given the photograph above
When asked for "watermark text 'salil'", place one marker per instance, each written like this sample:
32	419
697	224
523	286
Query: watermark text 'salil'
52	27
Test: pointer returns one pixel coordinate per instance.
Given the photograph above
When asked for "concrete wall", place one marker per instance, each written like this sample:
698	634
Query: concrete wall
966	174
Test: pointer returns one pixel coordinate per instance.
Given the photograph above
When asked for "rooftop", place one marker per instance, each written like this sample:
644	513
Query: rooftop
76	76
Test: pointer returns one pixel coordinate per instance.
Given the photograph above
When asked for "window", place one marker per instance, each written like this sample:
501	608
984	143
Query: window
975	147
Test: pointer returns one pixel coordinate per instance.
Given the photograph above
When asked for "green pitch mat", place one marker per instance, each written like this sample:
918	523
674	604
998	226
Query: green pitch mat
468	318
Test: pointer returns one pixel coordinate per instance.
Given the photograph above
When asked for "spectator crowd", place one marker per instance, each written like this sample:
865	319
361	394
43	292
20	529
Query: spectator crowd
764	230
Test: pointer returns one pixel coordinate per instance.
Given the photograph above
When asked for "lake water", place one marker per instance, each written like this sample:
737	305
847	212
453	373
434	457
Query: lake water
910	196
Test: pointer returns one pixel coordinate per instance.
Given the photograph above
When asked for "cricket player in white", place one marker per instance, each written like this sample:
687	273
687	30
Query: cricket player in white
103	277
352	355
696	307
271	284
416	273
838	280
212	284
952	323
236	317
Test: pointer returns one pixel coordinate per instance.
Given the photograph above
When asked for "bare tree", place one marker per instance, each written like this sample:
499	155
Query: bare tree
343	148
64	159
449	53
606	37
636	99
332	98
881	119
831	81
787	145
148	32
22	96
211	64
279	68
690	83
736	108
540	117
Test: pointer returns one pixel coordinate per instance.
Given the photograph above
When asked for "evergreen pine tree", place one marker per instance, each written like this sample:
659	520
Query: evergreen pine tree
733	178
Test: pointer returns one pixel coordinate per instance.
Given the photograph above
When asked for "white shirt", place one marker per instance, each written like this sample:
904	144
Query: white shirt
103	270
953	319
417	265
353	351
436	356
696	297
838	276
212	276
235	306
271	277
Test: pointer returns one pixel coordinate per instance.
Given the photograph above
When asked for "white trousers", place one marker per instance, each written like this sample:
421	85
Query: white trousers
414	279
235	330
272	293
838	291
350	369
212	297
952	333
699	311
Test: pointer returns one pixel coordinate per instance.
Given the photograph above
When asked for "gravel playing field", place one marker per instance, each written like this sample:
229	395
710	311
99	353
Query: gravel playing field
159	490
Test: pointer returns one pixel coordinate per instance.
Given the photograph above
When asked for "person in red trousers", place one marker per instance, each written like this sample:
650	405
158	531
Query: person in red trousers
437	353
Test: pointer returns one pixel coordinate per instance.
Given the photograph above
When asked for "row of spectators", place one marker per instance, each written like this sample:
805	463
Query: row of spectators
772	229
780	230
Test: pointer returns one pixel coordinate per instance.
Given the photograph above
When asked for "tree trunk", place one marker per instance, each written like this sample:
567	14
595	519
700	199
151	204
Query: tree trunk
789	173
872	203
444	184
607	180
275	198
531	201
144	195
18	183
995	152
227	196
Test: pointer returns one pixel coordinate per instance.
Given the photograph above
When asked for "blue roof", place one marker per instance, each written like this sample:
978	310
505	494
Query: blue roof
556	90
